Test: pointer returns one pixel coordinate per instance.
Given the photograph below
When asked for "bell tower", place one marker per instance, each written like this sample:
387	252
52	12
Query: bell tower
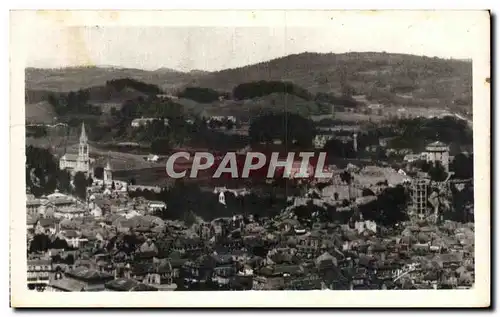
83	149
83	161
108	173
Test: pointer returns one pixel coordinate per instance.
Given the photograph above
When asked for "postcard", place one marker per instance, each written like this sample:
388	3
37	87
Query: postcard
261	158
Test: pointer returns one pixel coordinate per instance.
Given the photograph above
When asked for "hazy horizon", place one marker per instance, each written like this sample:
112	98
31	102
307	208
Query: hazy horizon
263	61
443	34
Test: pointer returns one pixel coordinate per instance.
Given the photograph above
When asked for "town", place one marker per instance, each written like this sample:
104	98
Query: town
325	237
393	206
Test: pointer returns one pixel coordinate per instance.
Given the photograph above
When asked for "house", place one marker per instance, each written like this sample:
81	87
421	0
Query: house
320	140
414	157
128	285
438	152
123	224
325	261
33	205
156	205
47	225
31	222
74	238
70	212
140	122
222	119
365	226
152	158
288	224
81	279
156	273
38	273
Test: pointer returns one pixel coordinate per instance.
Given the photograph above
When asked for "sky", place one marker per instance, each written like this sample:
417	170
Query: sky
185	48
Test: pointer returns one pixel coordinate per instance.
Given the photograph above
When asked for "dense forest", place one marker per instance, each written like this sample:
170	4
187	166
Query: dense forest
201	95
418	132
287	127
74	102
263	88
80	101
120	84
187	199
330	98
43	175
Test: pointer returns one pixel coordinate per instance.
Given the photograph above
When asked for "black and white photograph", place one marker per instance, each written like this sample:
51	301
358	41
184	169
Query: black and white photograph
297	152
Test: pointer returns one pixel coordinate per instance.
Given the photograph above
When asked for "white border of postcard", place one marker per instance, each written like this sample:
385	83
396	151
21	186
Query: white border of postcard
24	21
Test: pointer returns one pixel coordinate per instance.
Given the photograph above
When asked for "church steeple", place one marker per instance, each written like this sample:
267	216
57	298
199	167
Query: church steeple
83	135
83	150
108	172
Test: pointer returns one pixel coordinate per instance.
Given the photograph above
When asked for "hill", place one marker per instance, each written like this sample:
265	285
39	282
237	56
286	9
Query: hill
382	77
389	79
74	78
39	112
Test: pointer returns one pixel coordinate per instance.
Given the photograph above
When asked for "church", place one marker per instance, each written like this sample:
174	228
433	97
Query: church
80	162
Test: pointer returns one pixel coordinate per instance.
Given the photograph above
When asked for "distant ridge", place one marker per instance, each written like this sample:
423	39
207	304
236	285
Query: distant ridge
380	76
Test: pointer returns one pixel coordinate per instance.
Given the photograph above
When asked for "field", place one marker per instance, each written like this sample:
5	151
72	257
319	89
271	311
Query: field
40	112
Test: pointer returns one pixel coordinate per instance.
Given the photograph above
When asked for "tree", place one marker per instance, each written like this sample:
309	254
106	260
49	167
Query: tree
389	208
437	172
346	177
463	166
64	181
161	146
41	171
80	182
229	124
367	192
263	88
287	127
304	212
201	95
99	172
424	165
40	243
59	244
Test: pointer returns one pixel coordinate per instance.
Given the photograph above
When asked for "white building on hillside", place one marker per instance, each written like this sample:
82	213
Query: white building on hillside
438	152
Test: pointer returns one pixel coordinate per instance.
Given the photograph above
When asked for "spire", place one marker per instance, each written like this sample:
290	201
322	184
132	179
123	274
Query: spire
108	164
83	136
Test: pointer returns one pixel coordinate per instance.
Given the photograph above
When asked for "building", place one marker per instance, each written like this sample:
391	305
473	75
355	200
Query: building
108	174
128	285
140	122
156	205
80	162
152	158
419	188
438	152
70	212
409	158
33	205
222	119
81	280
74	238
320	140
38	273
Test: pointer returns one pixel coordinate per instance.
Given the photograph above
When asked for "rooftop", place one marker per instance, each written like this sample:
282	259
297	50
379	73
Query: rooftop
129	285
436	145
84	273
